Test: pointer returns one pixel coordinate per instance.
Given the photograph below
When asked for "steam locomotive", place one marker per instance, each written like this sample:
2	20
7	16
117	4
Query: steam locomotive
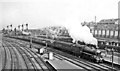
83	51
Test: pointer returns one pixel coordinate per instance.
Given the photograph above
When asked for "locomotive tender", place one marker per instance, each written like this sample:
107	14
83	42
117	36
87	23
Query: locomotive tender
83	51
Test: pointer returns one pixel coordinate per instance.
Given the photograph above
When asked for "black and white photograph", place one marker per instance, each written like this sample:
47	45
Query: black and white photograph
59	35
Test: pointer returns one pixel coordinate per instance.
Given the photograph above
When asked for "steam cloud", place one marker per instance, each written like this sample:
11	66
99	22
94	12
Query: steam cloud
79	32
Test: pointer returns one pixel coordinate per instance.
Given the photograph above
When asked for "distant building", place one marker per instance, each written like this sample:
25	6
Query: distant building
108	21
89	24
119	12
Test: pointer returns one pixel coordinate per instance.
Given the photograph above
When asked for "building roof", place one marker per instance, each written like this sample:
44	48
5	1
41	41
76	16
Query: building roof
108	21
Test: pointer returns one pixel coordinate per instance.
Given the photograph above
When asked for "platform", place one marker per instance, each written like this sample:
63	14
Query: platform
108	57
116	59
61	64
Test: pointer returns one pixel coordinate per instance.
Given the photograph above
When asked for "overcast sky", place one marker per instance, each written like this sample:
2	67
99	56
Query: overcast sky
41	13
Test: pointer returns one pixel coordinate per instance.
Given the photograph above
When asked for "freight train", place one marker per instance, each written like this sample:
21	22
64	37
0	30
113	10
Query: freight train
83	51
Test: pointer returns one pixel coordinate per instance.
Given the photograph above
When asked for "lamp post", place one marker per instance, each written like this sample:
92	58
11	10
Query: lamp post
112	56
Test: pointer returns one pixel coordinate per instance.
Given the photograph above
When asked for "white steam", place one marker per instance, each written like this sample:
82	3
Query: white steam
79	32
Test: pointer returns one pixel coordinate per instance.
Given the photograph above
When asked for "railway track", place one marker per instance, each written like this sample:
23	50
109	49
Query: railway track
94	66
21	55
17	57
100	66
36	56
106	65
1	57
80	62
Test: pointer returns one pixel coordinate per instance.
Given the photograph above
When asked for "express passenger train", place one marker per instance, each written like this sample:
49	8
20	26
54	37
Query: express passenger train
84	51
